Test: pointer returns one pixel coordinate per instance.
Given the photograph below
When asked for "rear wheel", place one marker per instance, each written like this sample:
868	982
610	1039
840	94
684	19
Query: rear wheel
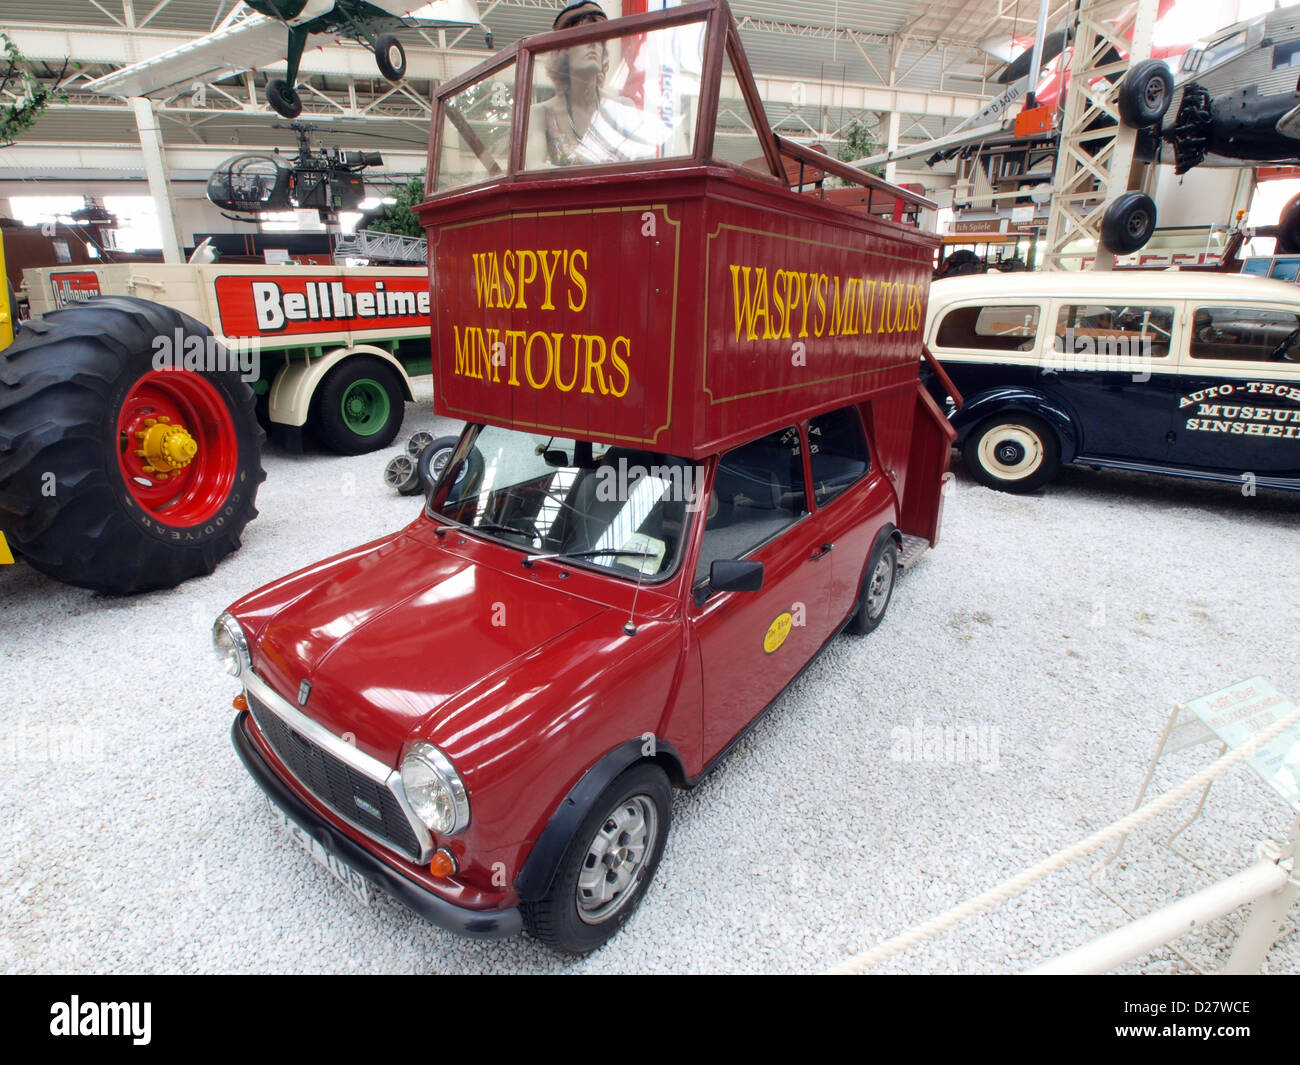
877	588
116	474
1012	453
359	406
611	858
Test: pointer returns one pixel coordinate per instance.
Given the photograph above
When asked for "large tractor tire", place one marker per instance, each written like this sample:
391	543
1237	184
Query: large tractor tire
116	475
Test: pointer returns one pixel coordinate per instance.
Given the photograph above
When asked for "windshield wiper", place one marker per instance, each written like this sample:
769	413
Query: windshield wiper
496	527
604	551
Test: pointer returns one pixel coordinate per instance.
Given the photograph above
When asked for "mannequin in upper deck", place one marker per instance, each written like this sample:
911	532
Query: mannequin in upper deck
582	124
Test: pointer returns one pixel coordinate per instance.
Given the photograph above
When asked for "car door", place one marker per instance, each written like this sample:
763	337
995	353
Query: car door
1114	366
1238	407
852	498
753	643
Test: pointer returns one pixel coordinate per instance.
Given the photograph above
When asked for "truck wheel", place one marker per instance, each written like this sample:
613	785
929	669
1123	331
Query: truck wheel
1012	453
1128	223
1145	94
611	858
877	589
114	474
359	406
390	57
283	98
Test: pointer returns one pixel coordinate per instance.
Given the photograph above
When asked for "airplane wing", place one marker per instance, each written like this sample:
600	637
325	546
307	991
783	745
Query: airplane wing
254	42
952	140
438	13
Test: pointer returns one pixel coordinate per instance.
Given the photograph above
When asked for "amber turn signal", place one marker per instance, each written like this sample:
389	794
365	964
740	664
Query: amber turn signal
240	703
443	863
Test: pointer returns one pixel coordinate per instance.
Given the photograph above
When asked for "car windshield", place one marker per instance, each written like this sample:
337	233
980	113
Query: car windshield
617	509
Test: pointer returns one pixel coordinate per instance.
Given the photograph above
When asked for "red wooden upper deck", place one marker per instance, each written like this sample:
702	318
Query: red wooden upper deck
619	248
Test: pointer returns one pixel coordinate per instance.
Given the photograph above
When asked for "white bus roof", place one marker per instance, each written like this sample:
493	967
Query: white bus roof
1130	286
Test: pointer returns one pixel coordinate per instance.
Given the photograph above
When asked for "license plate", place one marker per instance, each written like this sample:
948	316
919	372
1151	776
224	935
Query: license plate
358	886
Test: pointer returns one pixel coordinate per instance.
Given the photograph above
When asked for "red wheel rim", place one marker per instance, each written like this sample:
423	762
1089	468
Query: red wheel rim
188	495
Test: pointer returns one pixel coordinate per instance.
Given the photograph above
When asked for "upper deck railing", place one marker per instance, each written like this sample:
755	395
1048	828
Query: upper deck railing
663	90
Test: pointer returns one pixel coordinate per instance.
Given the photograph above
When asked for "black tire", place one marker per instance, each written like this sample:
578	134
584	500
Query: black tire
66	503
434	458
558	919
877	588
390	57
1012	452
1128	223
283	98
1145	94
371	423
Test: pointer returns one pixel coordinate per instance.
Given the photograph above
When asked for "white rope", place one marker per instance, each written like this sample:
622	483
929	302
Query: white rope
944	921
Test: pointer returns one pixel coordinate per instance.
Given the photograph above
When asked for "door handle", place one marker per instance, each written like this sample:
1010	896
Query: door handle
826	550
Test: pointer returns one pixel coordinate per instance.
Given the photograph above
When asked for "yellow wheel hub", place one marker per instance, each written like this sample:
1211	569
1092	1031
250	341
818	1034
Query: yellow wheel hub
165	449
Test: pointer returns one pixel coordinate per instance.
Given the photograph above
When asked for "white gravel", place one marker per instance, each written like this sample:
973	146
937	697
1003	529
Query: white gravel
1070	622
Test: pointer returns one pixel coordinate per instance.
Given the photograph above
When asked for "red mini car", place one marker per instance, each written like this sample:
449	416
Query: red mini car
695	440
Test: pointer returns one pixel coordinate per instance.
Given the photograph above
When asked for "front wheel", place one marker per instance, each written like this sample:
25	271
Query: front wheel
1012	453
610	860
360	406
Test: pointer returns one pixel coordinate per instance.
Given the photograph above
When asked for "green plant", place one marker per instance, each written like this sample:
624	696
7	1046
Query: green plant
32	97
859	142
399	217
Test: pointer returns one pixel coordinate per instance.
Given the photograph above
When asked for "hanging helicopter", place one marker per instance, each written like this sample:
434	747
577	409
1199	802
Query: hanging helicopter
259	40
327	180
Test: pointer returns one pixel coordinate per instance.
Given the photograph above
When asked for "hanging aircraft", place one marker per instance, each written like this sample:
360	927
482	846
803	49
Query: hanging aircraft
280	30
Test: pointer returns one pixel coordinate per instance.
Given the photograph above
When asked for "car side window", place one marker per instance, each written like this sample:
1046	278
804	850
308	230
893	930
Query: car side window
758	491
1114	329
995	328
837	452
1245	334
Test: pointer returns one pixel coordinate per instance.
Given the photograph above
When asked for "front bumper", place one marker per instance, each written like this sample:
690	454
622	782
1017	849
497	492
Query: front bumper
479	924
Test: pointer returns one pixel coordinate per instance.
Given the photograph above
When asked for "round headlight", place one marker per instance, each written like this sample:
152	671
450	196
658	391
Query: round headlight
231	646
434	789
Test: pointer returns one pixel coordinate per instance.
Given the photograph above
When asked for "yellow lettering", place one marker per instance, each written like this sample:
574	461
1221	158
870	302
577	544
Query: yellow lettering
548	277
594	363
528	359
559	359
621	364
527	275
578	280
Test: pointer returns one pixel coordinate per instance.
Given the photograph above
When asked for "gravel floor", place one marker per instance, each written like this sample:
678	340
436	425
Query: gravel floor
1070	622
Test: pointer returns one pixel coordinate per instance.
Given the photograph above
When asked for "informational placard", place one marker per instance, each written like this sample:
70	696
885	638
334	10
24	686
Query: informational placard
1236	714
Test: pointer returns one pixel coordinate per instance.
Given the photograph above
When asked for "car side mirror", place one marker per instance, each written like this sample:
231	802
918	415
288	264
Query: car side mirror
729	576
556	459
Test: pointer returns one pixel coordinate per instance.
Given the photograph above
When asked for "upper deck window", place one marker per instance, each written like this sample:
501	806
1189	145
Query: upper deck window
476	130
629	98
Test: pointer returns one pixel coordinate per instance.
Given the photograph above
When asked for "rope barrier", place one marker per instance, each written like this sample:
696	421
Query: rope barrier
944	921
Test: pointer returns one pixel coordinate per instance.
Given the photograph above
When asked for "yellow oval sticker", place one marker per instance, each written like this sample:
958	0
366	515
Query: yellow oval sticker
777	632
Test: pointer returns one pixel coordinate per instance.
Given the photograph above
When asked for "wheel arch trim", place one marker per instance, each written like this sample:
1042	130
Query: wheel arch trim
992	404
543	862
289	401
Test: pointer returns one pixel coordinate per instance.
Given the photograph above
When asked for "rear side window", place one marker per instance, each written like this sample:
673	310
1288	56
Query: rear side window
1114	329
837	452
1245	334
757	493
989	328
